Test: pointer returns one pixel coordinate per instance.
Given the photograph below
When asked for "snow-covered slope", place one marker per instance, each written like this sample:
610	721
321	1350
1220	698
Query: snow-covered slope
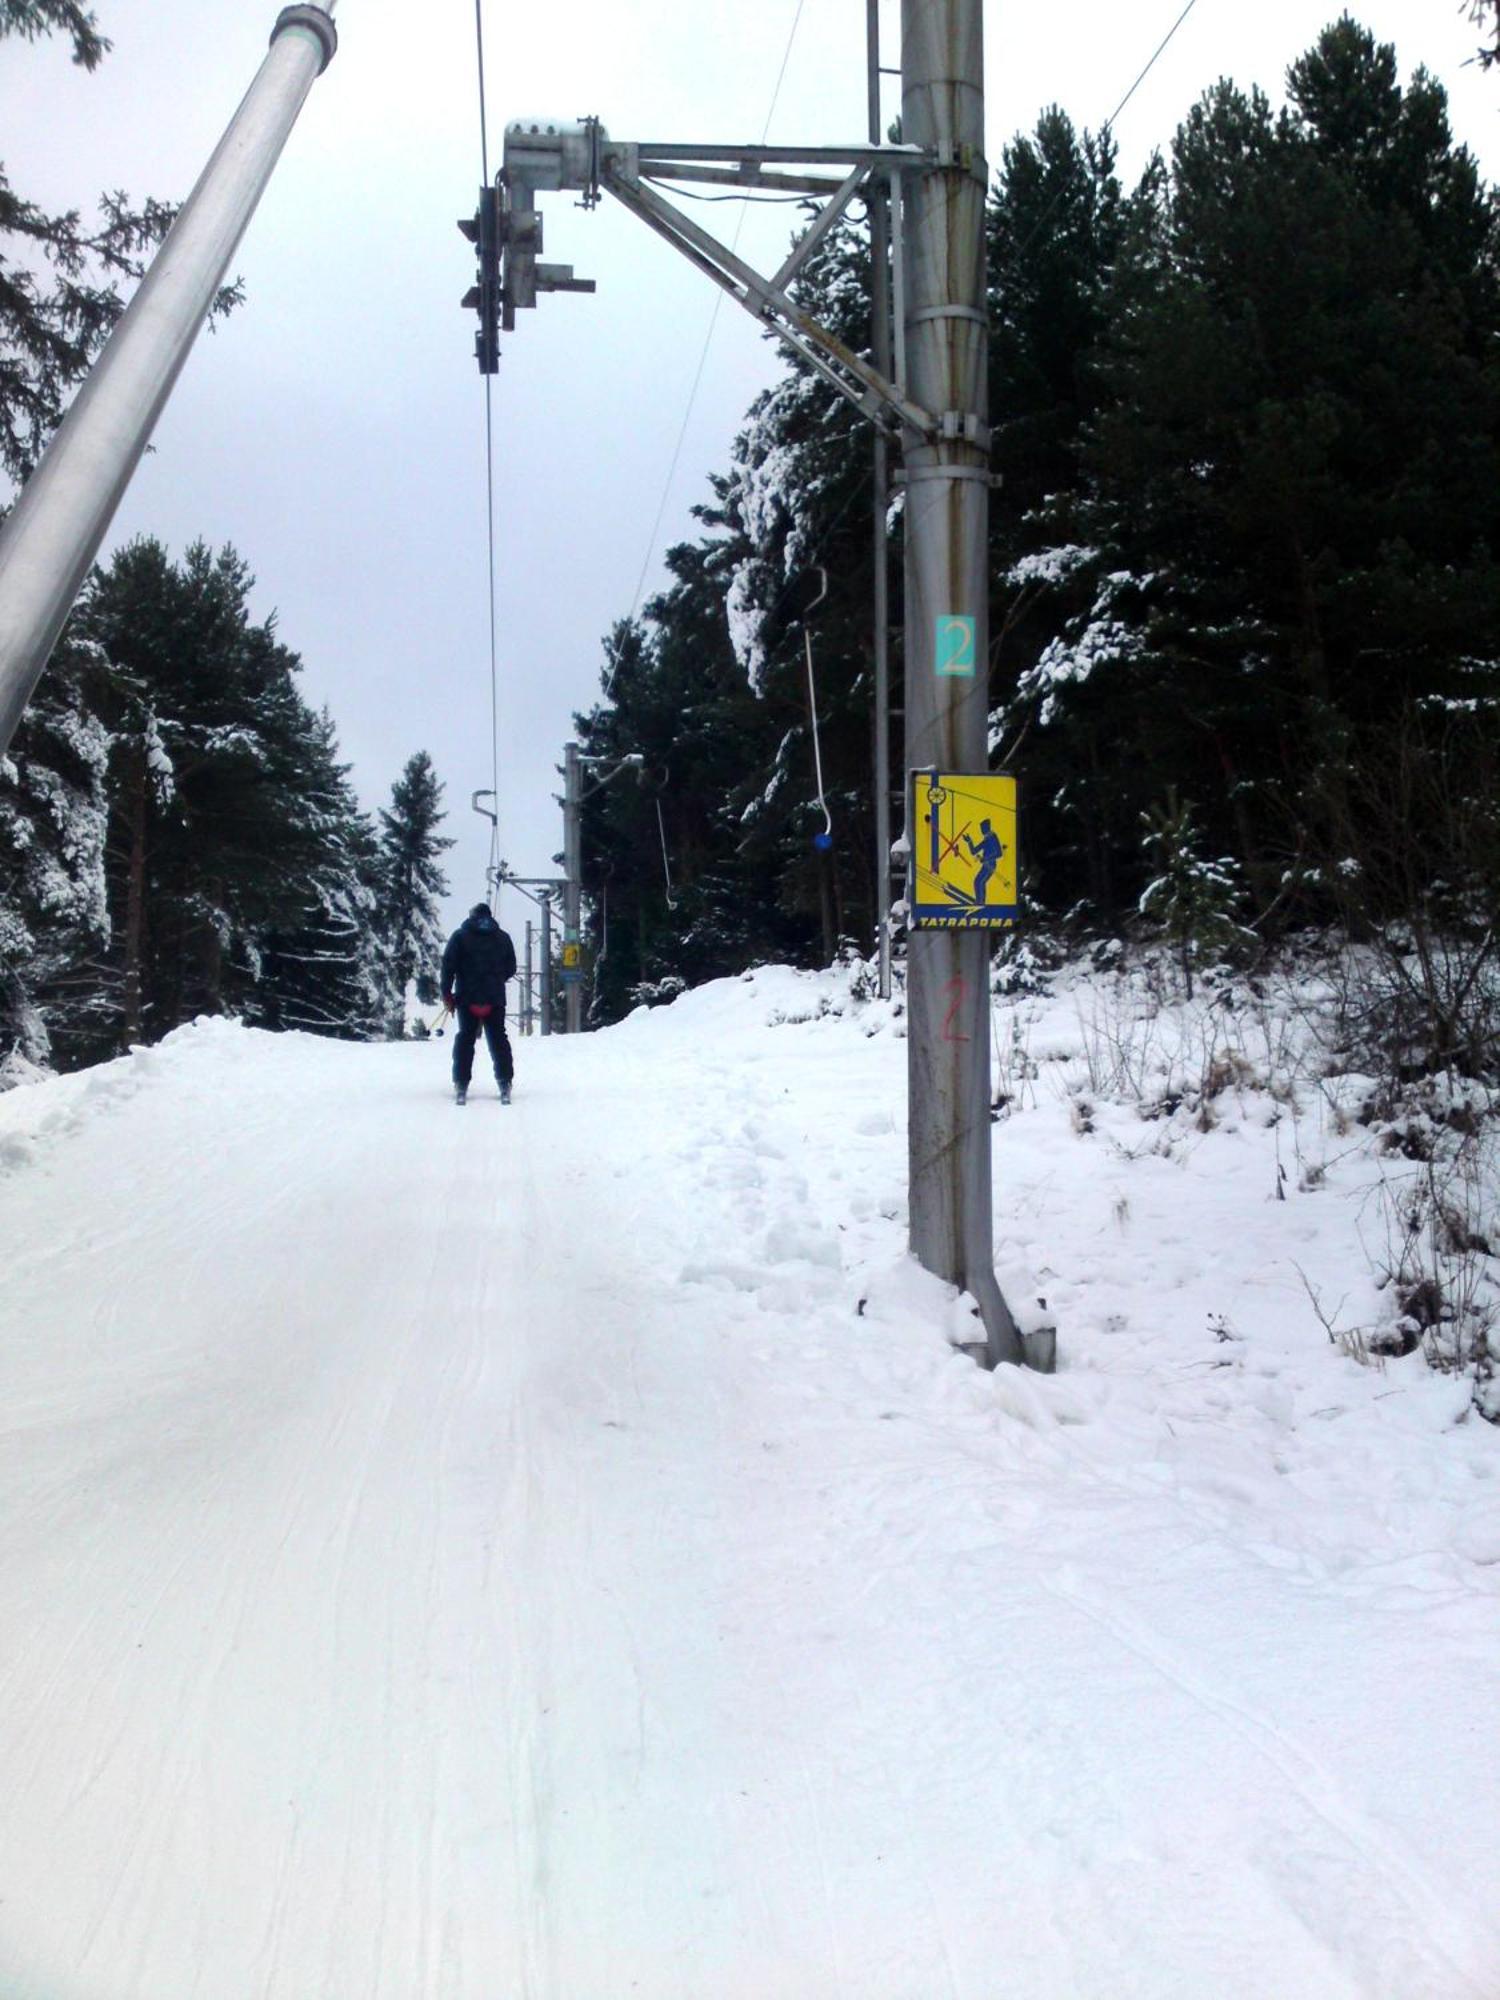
554	1551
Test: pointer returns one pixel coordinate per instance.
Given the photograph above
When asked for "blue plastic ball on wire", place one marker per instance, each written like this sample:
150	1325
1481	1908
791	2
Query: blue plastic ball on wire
822	841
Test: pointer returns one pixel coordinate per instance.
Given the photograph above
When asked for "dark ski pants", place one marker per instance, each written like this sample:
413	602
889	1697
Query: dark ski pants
495	1037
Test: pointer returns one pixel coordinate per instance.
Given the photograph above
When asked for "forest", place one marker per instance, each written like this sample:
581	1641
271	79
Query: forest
1245	604
1245	618
178	836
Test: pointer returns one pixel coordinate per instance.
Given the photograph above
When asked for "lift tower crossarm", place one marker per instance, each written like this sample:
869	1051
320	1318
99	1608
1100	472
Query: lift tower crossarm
891	159
746	179
849	373
542	156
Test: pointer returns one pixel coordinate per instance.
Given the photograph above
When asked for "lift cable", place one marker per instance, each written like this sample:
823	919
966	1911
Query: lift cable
1160	50
713	321
1109	124
492	871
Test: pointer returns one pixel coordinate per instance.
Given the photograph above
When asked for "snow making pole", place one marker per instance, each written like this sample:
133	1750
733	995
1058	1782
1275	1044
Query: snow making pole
572	889
526	983
947	531
64	512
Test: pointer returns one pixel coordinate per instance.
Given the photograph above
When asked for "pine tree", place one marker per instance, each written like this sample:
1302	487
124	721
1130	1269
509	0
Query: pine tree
1054	227
240	872
1191	897
59	277
53	818
322	965
1057	223
411	885
1293	489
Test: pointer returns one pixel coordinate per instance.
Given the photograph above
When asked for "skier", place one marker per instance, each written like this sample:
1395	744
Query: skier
987	852
479	959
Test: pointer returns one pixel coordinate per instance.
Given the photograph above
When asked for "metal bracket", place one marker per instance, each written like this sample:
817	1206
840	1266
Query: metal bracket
919	475
550	154
964	158
967	426
888	407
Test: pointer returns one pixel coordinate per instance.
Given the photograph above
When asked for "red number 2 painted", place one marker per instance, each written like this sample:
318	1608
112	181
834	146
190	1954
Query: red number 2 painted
959	988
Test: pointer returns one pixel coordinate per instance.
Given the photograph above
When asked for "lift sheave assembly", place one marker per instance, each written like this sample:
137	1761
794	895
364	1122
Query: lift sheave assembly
544	156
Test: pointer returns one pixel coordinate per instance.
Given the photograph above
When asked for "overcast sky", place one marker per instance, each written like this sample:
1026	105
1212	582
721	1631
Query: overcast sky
334	430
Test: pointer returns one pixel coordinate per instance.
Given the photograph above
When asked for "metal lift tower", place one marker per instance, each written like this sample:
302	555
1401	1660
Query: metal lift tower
933	403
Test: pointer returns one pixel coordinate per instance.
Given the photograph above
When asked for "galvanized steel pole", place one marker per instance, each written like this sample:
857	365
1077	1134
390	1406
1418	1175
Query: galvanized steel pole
947	525
572	887
64	512
526	984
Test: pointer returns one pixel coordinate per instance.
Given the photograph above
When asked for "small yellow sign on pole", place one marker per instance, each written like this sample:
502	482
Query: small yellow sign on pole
963	850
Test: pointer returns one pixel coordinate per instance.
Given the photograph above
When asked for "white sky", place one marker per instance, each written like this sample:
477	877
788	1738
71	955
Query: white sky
334	430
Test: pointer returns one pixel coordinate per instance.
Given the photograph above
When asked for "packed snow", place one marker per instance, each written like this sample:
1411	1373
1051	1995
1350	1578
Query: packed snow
562	1551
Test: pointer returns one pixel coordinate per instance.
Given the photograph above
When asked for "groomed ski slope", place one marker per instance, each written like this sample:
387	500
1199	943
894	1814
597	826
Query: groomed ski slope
555	1552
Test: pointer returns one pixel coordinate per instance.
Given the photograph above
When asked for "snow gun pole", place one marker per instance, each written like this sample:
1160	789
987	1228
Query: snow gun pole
64	512
947	529
526	987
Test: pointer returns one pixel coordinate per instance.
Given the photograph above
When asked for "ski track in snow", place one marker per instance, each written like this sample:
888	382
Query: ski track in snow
552	1553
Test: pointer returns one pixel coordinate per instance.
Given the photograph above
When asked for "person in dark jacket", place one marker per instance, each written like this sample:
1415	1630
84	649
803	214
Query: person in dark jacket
479	959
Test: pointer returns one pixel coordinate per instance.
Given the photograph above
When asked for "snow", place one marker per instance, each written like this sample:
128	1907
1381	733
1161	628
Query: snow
1099	640
1054	565
561	1551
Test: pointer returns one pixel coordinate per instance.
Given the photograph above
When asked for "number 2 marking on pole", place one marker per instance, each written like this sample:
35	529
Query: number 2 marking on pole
954	654
959	988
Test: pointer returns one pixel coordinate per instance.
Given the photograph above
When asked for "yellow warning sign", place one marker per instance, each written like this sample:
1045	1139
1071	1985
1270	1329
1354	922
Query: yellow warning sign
572	955
963	850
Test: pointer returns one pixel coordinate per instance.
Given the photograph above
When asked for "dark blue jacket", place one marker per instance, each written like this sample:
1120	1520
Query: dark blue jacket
479	959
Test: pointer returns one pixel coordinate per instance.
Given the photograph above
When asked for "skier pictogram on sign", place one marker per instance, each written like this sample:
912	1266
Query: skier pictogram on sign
964	867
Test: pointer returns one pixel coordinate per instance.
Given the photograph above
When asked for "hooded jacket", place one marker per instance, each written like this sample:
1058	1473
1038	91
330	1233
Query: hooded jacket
479	959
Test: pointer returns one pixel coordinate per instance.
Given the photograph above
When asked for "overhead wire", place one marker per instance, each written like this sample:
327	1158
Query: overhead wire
1160	50
492	870
1107	128
713	321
